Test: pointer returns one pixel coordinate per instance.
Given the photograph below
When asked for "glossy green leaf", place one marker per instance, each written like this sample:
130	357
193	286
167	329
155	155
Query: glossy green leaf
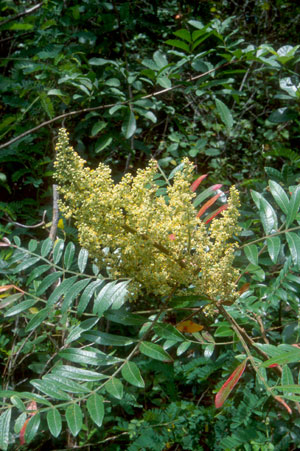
105	339
10	300
102	143
183	34
279	195
287	376
49	280
251	253
291	388
60	290
98	127
32	427
36	273
26	264
37	319
16	309
204	195
54	422
129	125
131	374
74	418
79	374
95	408
69	255
51	389
87	295
82	259
72	293
66	384
114	387
16	401
154	351
178	44
4	429
79	329
293	241
267	213
122	317
165	330
87	357
273	244
184	346
46	247
293	207
58	250
112	294
283	358
225	114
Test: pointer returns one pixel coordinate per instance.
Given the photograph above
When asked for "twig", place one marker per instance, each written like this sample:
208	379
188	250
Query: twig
24	13
55	215
25	226
102	107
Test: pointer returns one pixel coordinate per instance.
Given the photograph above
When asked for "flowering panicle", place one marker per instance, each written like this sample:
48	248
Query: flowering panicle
161	245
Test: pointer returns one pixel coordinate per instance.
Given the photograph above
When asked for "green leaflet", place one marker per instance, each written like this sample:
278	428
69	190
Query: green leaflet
4	429
154	351
74	418
131	374
95	407
114	387
54	422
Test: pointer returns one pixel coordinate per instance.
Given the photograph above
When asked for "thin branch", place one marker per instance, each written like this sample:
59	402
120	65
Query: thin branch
24	13
102	107
40	224
55	215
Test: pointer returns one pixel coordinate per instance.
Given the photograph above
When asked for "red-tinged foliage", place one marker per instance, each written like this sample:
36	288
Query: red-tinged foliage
216	187
284	404
229	385
207	205
197	182
215	213
273	365
31	406
172	236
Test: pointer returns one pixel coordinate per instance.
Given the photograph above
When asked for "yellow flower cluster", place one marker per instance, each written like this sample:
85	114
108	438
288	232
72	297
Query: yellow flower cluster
160	245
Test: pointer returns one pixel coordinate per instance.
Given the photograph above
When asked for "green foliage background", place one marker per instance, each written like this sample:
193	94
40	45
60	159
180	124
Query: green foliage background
216	81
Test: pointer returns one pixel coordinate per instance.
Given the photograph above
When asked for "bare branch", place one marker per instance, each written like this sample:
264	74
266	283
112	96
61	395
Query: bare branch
102	107
24	13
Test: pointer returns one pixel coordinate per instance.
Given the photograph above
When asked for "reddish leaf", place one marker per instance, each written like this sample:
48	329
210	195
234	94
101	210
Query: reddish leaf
6	287
172	237
197	182
273	365
244	288
284	404
216	187
207	205
33	407
22	432
215	213
189	327
229	385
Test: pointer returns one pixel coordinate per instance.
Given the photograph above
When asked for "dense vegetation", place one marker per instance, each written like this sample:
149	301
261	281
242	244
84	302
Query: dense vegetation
131	308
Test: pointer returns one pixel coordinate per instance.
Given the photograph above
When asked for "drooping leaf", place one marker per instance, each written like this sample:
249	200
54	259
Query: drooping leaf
16	309
58	250
82	259
225	114
114	387
267	213
129	125
72	293
274	244
207	205
279	195
95	408
32	427
293	241
49	280
154	351
60	290
74	418
37	319
131	374
69	255
251	253
87	295
54	422
293	207
4	429
197	182
229	385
